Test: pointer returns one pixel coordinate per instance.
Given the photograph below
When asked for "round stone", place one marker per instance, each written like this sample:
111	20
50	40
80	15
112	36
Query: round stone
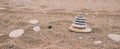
36	28
85	30
80	37
34	21
16	33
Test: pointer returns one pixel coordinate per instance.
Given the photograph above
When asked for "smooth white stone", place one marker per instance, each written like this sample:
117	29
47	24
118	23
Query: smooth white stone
97	42
36	28
114	37
87	30
34	21
80	37
16	33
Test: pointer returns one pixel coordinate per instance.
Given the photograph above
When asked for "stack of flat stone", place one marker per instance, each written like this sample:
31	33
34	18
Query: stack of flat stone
79	24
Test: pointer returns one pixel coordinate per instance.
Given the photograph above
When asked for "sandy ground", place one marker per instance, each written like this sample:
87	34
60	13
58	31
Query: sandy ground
103	16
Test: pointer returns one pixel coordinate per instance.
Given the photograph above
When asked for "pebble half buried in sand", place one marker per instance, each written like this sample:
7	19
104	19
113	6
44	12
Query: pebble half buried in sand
34	21
16	33
36	28
114	37
97	42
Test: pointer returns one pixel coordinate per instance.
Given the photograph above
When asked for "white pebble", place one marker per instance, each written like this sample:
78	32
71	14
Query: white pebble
2	8
34	21
114	37
97	42
16	33
80	37
36	28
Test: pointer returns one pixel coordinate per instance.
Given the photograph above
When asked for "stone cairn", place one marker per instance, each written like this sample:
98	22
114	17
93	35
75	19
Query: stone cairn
79	24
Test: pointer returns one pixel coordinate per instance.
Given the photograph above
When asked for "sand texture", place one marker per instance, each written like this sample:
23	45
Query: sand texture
103	17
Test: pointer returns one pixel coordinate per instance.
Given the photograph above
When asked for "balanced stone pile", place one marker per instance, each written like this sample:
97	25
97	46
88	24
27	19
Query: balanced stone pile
79	24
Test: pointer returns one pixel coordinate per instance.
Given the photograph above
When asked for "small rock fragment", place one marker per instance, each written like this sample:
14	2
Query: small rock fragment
80	37
49	27
114	37
34	21
97	42
11	46
36	28
16	33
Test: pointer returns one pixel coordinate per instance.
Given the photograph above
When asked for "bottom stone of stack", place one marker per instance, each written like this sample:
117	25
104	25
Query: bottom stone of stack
85	30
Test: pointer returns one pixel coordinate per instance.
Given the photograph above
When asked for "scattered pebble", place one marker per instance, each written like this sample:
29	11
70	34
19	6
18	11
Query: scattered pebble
97	42
80	37
36	28
2	8
114	37
11	46
34	21
16	33
49	27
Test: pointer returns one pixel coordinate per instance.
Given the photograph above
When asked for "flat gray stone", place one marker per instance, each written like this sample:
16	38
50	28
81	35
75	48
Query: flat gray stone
114	37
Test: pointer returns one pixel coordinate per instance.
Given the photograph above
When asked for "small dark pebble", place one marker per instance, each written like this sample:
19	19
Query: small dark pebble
49	27
11	46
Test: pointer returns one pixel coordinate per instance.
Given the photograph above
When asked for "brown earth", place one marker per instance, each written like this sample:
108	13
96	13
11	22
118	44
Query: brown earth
59	13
